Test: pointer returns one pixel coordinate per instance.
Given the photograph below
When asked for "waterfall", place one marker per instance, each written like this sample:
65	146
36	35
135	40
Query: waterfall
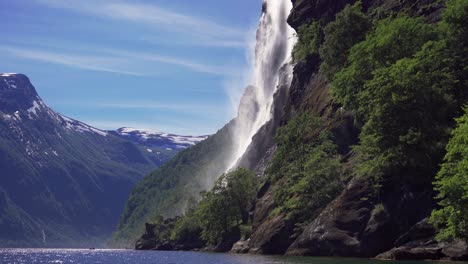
274	43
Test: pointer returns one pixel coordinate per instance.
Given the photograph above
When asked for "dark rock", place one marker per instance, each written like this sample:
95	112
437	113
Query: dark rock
145	243
361	223
242	246
148	240
427	249
417	253
164	246
272	237
336	231
422	230
306	10
456	251
228	241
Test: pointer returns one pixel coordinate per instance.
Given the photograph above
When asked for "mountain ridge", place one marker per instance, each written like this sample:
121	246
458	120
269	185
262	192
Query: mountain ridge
63	182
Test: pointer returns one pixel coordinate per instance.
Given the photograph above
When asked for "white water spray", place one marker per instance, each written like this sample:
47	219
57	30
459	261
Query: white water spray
274	43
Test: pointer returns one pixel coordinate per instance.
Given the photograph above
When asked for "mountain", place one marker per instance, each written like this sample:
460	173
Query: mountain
351	150
159	146
168	190
63	182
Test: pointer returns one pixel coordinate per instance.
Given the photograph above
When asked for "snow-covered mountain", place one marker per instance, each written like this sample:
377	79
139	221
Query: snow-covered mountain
152	139
63	182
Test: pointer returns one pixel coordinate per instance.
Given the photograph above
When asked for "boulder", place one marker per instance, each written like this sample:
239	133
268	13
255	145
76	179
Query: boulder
272	237
336	231
242	246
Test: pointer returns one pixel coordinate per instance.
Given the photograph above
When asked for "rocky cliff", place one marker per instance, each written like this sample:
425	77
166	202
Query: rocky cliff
354	224
329	187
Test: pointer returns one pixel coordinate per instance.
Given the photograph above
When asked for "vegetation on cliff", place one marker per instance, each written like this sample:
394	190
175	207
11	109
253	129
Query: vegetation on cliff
221	213
308	166
404	79
170	190
452	185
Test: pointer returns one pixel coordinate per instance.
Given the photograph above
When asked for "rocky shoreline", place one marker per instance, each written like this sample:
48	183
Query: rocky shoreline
417	244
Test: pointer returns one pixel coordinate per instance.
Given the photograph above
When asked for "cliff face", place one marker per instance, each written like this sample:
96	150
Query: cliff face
352	224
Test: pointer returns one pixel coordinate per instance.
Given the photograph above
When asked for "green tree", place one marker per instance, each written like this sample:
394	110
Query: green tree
349	28
452	186
393	39
409	107
227	204
308	166
308	43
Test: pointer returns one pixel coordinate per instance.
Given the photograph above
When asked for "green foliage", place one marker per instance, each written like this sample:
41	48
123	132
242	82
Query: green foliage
393	39
307	167
406	82
187	228
169	190
409	106
349	27
227	204
452	186
309	39
162	228
246	231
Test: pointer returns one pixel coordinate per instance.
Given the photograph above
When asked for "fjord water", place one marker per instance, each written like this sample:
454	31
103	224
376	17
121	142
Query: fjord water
20	256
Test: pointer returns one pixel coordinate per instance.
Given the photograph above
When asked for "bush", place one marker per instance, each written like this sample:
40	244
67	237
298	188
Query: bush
308	167
349	28
309	39
452	186
393	39
227	205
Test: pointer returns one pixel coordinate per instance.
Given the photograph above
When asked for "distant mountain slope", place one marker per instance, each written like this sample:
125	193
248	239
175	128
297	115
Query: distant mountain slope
62	182
158	146
168	190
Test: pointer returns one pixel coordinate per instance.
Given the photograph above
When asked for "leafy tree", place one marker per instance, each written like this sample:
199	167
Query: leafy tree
452	186
393	39
454	28
227	204
452	179
409	108
309	39
308	166
349	28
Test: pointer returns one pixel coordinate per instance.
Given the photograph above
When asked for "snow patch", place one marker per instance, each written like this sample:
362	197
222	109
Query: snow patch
34	108
80	127
7	74
146	134
17	115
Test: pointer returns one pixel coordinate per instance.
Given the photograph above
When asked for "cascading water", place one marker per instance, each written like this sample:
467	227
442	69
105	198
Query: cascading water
275	41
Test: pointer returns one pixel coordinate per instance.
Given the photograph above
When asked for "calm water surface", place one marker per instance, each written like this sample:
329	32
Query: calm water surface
18	256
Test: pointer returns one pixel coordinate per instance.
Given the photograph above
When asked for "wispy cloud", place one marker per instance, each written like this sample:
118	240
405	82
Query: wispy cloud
113	61
200	30
93	63
207	110
181	107
197	67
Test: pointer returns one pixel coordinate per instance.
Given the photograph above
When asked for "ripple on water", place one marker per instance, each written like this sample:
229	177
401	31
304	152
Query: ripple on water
104	256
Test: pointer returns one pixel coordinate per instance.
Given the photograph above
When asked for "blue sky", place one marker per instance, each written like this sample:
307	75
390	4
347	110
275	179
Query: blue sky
172	65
